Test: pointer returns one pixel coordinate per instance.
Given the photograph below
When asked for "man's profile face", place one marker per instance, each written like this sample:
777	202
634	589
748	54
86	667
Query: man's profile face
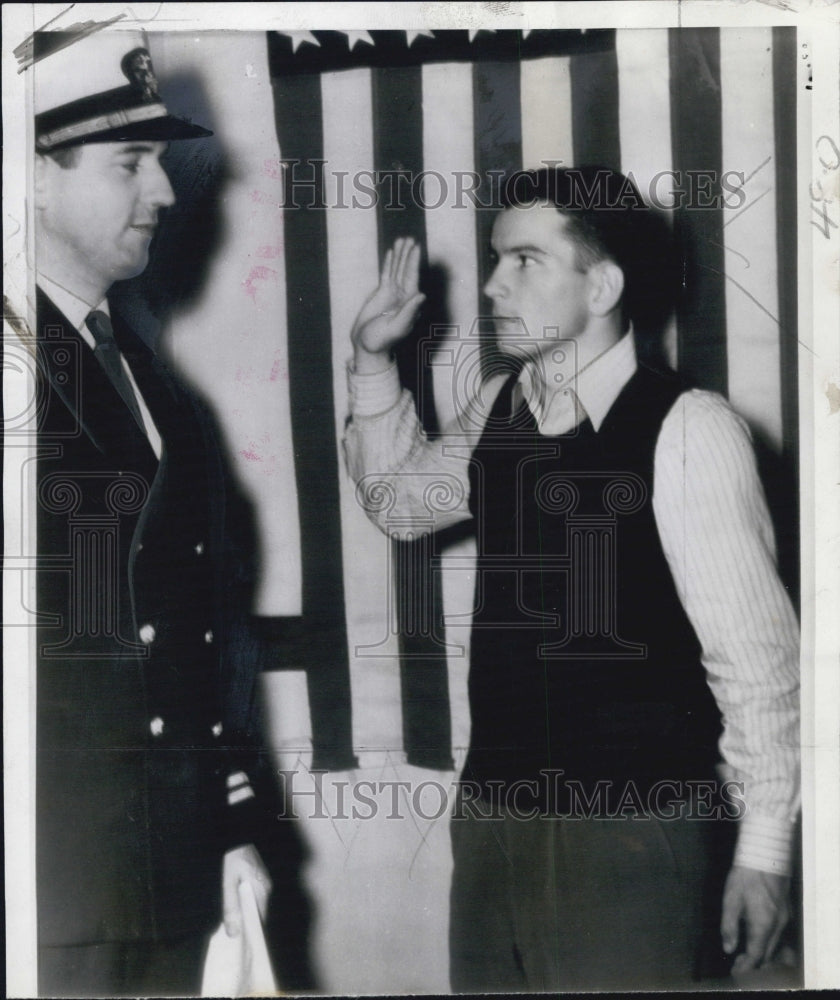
538	293
98	216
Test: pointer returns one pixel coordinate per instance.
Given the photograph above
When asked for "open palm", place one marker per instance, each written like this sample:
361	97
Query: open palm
389	312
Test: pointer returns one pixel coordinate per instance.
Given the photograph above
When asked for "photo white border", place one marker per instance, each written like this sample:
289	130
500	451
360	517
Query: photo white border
818	114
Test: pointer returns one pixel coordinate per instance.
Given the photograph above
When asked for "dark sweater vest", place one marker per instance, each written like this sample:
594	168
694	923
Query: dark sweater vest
583	659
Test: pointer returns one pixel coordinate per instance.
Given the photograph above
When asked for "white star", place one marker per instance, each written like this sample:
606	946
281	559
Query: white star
411	35
358	36
299	37
475	31
526	32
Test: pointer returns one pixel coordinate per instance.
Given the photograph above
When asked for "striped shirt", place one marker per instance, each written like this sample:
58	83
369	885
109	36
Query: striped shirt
716	534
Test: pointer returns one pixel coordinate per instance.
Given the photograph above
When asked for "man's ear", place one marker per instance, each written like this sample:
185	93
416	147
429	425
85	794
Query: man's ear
606	287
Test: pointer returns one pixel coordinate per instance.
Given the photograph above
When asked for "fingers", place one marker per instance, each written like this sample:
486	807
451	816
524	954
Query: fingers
261	884
385	273
408	249
262	890
776	934
231	909
763	932
731	916
756	901
749	959
411	278
243	864
232	906
401	267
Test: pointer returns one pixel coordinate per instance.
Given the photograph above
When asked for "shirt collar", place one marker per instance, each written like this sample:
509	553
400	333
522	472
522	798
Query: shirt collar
596	386
74	308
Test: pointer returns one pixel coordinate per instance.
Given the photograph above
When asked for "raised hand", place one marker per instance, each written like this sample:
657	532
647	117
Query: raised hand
389	312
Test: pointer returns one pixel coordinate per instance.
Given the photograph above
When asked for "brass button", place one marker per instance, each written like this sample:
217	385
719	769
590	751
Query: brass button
147	633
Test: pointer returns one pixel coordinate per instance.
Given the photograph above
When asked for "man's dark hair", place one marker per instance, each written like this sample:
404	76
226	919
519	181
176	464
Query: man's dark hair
607	219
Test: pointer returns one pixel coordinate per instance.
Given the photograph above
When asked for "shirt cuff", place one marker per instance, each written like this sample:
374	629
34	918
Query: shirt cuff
765	843
371	395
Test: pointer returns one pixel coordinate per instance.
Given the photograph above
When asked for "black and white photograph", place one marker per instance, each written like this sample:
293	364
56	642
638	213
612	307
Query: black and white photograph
421	535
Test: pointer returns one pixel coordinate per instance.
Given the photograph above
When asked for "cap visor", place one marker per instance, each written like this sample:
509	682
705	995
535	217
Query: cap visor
165	129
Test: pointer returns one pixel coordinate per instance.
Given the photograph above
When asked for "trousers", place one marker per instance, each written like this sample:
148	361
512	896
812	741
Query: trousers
120	969
557	904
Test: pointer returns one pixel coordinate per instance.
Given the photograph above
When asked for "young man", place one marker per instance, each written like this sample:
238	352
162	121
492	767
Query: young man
145	814
627	601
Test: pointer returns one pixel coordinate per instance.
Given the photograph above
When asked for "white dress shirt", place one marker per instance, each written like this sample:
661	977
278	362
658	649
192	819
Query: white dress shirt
77	311
716	534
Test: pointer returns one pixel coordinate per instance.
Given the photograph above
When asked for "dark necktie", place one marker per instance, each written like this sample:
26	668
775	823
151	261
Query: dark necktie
108	355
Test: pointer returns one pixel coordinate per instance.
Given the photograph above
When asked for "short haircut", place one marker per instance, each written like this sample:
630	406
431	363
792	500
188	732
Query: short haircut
607	219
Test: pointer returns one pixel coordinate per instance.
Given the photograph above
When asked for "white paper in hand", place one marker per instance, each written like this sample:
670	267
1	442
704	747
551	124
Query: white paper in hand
239	966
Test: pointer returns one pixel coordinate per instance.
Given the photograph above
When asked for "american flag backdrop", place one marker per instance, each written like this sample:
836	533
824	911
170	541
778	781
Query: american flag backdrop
324	140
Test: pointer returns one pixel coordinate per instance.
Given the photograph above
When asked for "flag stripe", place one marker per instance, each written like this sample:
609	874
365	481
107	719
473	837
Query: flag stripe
497	114
498	140
451	228
398	159
696	137
787	245
546	108
427	737
299	130
784	121
455	362
353	270
595	109
644	120
752	330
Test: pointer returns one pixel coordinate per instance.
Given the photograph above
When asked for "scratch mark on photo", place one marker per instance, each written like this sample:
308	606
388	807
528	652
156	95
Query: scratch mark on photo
749	177
746	207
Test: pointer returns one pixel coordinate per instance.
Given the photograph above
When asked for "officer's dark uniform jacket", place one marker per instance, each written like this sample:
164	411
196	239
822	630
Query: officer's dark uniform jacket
583	660
143	684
